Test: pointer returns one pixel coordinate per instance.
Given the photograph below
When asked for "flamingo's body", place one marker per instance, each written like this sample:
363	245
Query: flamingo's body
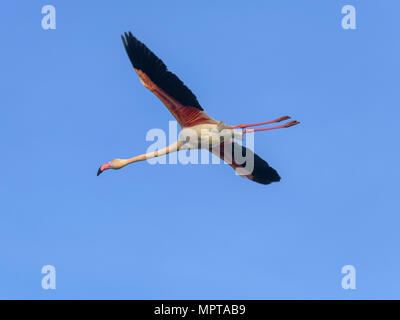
199	130
207	135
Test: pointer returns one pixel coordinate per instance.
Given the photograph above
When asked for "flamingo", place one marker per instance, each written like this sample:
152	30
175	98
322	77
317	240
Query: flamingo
184	106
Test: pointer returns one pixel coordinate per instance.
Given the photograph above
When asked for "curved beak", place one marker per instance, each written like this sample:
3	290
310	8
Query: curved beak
104	167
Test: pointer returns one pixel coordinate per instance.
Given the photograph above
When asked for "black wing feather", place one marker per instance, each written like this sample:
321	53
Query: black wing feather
144	59
262	172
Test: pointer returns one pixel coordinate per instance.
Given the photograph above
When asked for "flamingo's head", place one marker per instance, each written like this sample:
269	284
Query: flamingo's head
114	164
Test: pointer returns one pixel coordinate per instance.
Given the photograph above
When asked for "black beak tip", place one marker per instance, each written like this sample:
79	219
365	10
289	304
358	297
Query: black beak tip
99	171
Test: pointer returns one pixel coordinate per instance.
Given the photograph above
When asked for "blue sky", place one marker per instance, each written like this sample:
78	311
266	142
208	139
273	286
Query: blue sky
71	101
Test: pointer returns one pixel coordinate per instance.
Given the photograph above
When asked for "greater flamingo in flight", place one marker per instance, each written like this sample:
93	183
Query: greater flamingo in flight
183	105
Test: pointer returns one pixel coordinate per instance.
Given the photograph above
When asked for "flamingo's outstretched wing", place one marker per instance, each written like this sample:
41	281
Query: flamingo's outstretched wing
154	75
254	168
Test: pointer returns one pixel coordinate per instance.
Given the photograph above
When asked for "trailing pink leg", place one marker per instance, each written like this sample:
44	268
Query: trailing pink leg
242	126
286	125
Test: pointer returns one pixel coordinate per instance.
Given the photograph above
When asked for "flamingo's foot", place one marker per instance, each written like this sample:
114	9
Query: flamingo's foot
282	119
291	123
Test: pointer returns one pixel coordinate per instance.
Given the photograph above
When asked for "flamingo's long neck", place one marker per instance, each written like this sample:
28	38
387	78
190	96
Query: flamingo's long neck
169	149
